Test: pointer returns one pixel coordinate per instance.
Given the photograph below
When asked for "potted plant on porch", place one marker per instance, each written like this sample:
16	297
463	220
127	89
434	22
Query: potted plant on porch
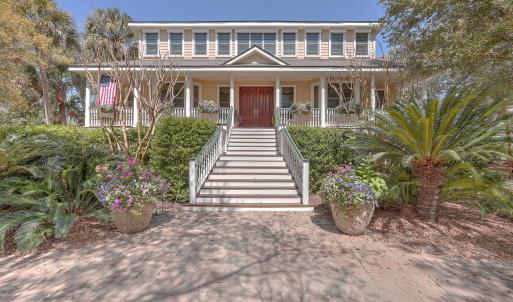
351	198
131	193
209	110
302	113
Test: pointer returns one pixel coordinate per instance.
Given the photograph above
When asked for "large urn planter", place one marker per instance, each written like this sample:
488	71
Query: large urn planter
209	116
352	198
129	223
352	220
303	118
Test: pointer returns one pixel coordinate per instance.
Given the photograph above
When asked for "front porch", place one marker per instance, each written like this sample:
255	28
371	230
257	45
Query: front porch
281	91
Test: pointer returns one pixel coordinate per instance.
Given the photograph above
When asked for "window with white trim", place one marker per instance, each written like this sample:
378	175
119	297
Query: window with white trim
195	95
289	44
316	96
178	92
333	97
224	96
362	44
151	44
266	41
176	44
337	44
380	99
312	44
287	97
223	44
200	44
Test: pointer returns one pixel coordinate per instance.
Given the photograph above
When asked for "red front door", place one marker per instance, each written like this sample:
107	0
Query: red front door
256	106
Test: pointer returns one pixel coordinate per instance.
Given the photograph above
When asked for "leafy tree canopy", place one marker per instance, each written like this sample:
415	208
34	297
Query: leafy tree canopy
471	40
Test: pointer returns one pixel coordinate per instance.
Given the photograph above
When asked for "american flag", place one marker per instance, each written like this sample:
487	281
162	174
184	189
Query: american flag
108	95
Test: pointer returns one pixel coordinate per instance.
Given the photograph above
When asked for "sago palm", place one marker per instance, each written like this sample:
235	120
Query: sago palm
426	136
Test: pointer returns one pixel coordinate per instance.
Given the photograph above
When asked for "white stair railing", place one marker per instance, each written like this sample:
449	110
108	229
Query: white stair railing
299	166
202	164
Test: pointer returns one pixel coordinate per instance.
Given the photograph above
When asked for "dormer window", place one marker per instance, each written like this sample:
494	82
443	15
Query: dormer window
362	44
151	44
312	44
200	44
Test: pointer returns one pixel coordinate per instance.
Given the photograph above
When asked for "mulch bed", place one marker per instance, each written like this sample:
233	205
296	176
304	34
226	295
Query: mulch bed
461	230
83	232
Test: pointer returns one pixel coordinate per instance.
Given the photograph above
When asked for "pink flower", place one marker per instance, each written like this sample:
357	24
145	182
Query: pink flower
119	166
131	161
346	168
127	172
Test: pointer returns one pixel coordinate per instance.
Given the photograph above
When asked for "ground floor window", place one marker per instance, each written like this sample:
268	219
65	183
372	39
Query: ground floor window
315	96
224	96
178	92
287	96
380	99
343	92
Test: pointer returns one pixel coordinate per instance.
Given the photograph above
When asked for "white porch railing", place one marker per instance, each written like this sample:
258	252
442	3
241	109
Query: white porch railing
333	119
96	120
299	166
202	164
223	115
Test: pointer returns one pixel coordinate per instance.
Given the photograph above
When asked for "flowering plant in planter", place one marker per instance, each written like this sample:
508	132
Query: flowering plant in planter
106	108
347	189
128	187
208	106
352	199
301	108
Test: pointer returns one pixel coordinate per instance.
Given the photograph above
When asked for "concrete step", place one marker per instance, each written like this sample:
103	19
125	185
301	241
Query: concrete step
252	140
248	207
251	153
253	158
236	170
252	144
249	176
251	130
252	148
251	136
251	192
264	164
264	183
262	199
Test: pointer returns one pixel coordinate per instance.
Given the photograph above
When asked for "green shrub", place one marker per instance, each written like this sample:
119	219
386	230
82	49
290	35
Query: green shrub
176	141
326	148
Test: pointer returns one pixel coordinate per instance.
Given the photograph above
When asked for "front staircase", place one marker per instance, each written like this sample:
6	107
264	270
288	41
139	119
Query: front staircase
250	175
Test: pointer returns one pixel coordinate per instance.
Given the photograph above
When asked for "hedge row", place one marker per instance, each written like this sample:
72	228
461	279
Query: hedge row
326	148
176	141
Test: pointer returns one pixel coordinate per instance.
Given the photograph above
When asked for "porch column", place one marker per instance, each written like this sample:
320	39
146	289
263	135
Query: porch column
232	97
136	107
373	93
277	93
188	105
323	97
87	105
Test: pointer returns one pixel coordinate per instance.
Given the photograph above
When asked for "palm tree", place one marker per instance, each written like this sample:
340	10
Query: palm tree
426	137
59	26
106	28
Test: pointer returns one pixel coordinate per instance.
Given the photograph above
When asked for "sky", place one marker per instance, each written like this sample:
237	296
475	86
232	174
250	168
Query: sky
211	10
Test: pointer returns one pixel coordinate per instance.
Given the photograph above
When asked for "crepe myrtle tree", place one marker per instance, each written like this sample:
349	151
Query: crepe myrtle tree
152	85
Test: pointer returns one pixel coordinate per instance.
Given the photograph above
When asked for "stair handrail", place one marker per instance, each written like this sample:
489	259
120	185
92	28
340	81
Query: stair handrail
298	165
203	163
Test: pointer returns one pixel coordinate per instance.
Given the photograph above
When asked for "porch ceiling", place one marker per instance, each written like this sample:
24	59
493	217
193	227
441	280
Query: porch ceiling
248	76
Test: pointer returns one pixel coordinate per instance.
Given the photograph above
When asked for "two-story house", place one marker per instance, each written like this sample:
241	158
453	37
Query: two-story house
259	66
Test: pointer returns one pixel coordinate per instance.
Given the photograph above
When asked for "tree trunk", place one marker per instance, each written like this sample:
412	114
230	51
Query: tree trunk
61	100
430	175
45	86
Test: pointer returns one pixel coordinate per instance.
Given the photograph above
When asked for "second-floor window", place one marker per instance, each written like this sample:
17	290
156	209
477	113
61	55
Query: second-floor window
151	44
223	44
362	44
176	44
200	44
266	41
289	44
312	44
337	44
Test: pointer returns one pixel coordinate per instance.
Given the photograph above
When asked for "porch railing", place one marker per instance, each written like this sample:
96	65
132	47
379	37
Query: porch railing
333	119
96	120
202	164
223	115
299	166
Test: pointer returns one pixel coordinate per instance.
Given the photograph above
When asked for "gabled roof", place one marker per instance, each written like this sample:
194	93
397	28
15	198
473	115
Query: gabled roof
257	53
